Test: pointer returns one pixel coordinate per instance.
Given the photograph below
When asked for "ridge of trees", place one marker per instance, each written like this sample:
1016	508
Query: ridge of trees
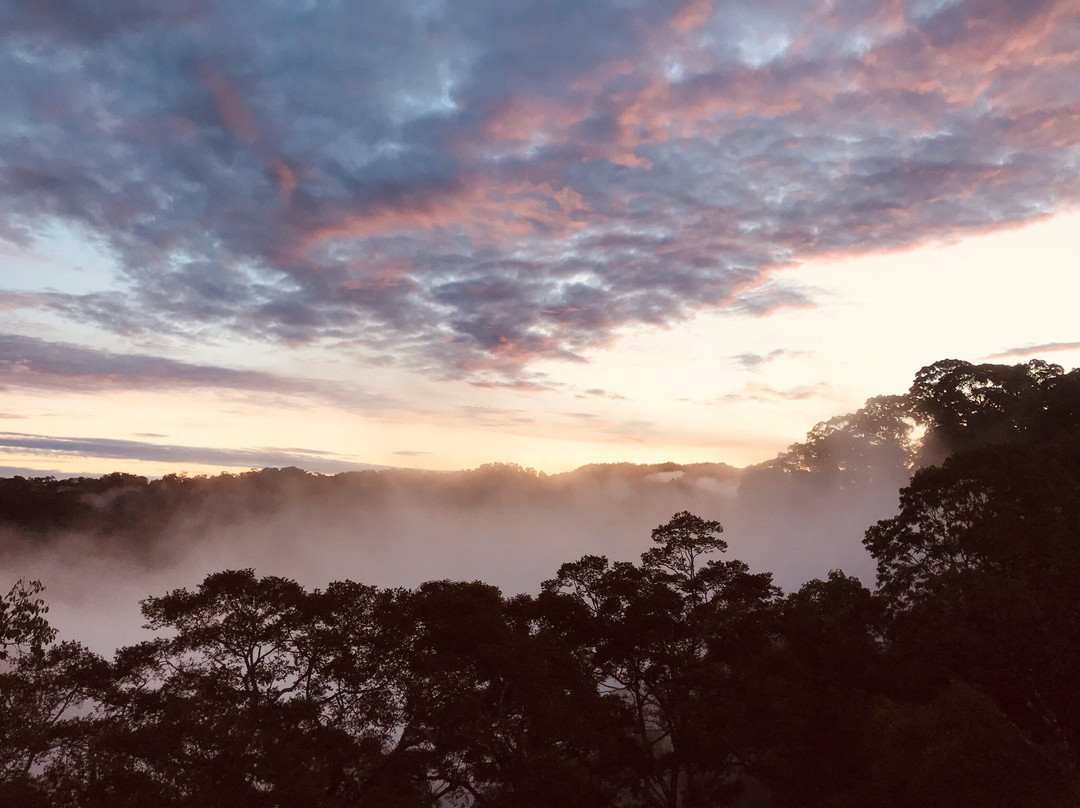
136	507
684	680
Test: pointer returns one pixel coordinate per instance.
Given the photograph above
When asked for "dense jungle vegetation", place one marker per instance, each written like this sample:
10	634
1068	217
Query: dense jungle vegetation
683	680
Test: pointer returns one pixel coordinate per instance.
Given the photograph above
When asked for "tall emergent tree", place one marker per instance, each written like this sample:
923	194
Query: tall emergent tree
675	639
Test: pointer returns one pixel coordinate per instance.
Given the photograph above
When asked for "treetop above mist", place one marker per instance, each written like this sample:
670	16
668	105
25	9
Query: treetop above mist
682	680
951	405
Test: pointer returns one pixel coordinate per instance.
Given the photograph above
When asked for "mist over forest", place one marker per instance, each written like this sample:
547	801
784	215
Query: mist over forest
411	639
104	543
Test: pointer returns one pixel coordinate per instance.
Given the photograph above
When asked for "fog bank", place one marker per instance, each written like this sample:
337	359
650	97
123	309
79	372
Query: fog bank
501	524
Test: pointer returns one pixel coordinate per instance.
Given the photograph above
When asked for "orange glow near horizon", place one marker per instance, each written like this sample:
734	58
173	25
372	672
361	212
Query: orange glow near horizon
653	395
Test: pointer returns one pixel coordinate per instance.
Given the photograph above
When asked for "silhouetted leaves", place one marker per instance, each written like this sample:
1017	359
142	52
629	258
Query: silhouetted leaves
682	681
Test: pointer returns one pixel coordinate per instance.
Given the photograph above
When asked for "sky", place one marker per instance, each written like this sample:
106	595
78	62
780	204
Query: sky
340	235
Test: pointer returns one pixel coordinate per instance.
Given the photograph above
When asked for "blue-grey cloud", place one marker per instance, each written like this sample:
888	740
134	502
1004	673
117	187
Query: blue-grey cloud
23	471
749	360
753	361
32	363
1033	350
46	446
599	392
467	187
764	394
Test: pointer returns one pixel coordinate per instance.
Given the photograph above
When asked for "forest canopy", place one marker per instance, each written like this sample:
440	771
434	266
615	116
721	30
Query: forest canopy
682	679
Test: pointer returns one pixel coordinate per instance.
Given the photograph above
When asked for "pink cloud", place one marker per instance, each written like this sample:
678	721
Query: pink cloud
230	105
284	176
693	14
495	209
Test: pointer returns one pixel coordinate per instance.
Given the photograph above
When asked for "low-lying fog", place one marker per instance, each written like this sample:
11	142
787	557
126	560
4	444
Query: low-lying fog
499	524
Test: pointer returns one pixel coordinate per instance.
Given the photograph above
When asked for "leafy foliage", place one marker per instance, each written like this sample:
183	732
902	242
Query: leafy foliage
682	681
23	625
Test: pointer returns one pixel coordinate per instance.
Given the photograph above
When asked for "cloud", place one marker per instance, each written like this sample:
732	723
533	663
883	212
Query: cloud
769	299
520	385
467	189
1032	350
107	448
763	393
748	360
410	453
32	363
754	361
599	392
22	471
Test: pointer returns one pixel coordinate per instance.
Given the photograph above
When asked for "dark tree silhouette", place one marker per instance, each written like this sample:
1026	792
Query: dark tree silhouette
674	639
682	681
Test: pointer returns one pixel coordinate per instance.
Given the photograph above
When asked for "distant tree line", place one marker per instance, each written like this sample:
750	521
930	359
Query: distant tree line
682	681
121	507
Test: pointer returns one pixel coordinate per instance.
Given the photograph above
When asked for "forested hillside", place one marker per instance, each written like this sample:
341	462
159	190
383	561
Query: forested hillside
685	678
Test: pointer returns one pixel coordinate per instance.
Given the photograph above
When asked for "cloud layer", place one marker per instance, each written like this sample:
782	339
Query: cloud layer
43	446
37	364
466	188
